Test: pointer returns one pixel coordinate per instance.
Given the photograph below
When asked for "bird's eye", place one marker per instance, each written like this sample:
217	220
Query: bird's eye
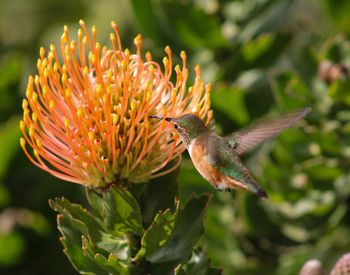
176	126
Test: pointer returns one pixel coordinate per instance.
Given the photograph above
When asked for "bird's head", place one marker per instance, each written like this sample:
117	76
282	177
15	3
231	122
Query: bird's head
188	126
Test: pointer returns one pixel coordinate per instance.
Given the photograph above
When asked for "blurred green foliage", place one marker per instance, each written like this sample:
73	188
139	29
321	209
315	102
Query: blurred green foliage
262	56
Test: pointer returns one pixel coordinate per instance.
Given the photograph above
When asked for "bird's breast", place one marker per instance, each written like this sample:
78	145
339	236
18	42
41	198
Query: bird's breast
199	155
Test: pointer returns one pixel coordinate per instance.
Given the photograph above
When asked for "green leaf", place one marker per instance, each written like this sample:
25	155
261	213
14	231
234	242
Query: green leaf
147	15
232	65
256	47
199	264
316	203
96	201
118	246
93	228
157	195
158	233
112	265
86	241
290	92
339	91
230	101
255	217
221	220
173	22
178	246
11	69
295	232
328	141
306	65
339	12
122	212
79	218
271	18
72	242
11	248
266	49
180	271
193	25
323	172
4	196
9	140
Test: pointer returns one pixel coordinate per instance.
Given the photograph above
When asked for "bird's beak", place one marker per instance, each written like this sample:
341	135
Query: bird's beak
169	119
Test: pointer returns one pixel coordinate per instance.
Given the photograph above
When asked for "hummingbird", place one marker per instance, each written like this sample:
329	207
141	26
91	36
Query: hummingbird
218	158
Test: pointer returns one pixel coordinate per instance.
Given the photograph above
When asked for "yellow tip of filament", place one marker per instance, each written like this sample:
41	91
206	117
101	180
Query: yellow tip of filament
22	141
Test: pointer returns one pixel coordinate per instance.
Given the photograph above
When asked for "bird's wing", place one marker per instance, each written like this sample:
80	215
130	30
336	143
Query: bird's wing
228	163
222	157
246	139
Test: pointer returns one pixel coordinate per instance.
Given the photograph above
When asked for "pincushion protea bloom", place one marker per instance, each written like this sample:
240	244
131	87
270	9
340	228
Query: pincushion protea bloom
342	266
86	116
312	267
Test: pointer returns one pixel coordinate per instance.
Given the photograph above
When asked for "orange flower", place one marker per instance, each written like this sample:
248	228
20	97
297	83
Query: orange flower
86	117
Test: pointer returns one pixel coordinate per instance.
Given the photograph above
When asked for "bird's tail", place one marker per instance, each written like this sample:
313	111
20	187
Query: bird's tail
252	185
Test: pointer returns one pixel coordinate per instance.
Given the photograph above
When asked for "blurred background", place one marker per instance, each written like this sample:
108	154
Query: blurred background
262	57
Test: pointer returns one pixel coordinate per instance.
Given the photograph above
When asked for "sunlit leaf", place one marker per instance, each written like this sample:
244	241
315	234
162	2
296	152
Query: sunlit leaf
176	242
72	242
158	233
79	218
122	212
